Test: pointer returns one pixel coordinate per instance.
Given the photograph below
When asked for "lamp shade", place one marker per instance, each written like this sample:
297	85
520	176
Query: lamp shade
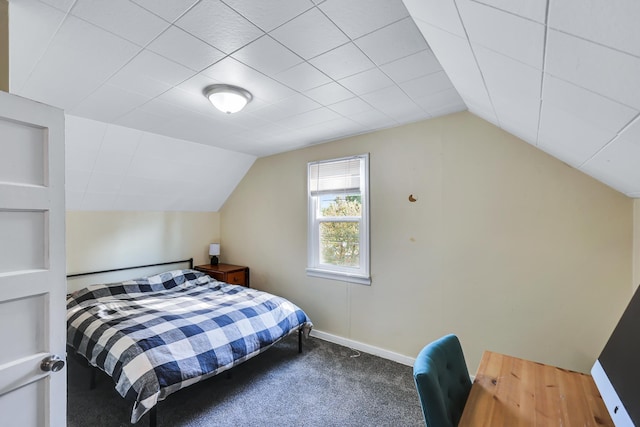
227	98
214	249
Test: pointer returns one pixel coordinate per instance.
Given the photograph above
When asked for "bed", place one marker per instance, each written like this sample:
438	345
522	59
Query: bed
159	334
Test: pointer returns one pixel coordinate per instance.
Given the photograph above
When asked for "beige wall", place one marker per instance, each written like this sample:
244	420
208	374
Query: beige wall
106	240
507	247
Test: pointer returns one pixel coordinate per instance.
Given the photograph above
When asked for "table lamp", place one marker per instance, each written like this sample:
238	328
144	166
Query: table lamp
214	251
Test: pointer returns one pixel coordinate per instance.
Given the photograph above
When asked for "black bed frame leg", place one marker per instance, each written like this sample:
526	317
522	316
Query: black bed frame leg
92	378
299	340
153	416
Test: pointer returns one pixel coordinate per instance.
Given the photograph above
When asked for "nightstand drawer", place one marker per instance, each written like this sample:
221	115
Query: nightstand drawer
233	274
236	278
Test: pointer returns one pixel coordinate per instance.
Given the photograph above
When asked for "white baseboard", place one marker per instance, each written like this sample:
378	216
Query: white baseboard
366	348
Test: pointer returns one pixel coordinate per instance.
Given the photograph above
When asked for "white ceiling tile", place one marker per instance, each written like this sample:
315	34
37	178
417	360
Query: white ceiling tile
617	164
412	66
79	58
121	17
76	180
233	72
38	90
309	118
271	14
593	108
170	10
511	35
267	55
479	110
138	119
287	107
427	85
127	202
330	130
136	184
602	70
219	25
329	93
32	26
195	86
522	131
373	119
166	109
271	112
245	121
150	74
568	137
296	104
514	89
263	132
81	158
109	163
442	14
389	100
183	48
342	61
445	100
62	5
98	201
108	103
407	113
392	42
83	133
104	182
302	77
138	83
367	81
359	17
505	76
153	66
351	106
613	24
531	9
310	34
120	140
458	61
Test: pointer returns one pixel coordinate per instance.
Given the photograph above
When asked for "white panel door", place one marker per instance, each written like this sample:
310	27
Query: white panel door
32	264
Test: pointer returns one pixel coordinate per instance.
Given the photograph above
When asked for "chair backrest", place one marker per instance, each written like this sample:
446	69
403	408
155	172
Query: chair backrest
443	383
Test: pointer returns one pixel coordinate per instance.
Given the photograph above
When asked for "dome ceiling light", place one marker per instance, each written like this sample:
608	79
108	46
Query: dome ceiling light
227	98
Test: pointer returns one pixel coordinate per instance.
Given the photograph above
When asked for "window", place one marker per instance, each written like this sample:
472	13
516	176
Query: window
338	240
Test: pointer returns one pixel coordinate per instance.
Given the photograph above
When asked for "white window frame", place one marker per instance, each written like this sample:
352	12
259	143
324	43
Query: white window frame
360	275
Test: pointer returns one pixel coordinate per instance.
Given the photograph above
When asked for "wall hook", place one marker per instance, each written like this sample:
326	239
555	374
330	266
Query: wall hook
411	198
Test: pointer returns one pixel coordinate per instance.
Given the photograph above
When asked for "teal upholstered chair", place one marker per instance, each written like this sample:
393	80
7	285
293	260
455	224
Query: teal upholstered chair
442	379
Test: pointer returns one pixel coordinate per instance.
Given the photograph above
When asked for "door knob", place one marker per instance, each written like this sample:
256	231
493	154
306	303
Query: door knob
52	363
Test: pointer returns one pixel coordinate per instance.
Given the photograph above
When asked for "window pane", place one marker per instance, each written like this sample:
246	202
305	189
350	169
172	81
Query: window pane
344	204
340	243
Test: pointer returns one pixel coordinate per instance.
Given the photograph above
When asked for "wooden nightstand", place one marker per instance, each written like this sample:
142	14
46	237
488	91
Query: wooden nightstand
234	274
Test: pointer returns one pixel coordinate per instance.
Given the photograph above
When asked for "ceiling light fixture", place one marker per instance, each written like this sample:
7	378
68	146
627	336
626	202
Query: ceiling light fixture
227	98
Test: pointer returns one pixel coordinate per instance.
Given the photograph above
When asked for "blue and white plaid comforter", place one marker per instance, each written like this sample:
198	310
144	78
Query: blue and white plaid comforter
156	335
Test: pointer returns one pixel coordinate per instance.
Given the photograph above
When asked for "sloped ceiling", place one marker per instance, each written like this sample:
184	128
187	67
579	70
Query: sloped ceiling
560	74
111	167
563	75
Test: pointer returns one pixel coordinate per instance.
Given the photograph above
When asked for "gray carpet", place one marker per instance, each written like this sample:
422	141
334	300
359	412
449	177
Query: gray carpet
323	386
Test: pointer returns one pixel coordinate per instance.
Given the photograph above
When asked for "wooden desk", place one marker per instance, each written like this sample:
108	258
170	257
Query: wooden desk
508	391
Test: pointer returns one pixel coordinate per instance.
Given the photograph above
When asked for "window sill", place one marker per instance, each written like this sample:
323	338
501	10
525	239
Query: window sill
335	275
